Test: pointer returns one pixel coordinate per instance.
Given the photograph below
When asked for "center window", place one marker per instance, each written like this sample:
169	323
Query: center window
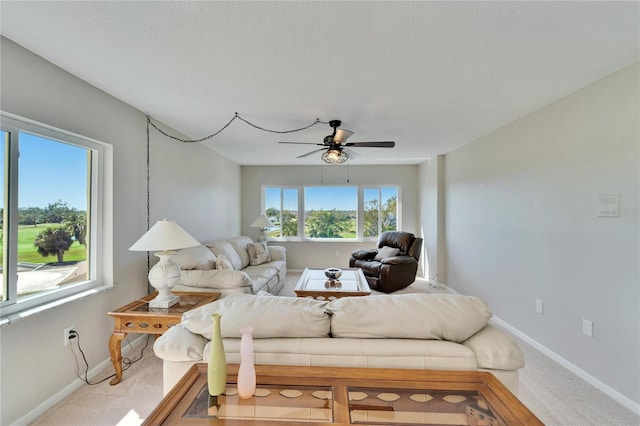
330	212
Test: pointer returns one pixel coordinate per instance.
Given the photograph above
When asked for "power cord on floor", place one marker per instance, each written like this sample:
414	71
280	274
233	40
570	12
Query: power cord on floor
127	363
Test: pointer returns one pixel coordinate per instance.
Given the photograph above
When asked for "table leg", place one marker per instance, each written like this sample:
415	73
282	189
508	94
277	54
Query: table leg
116	355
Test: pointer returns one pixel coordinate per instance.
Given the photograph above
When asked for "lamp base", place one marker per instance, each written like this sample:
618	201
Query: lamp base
164	303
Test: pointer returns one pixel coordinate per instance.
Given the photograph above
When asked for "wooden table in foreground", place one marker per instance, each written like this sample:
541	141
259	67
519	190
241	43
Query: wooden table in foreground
138	317
294	395
313	283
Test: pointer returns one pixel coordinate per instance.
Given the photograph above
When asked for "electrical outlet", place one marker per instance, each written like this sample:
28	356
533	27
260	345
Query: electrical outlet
539	307
68	331
337	254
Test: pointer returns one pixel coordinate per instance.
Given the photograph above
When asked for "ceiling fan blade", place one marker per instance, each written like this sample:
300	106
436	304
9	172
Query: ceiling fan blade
310	153
342	135
385	144
304	143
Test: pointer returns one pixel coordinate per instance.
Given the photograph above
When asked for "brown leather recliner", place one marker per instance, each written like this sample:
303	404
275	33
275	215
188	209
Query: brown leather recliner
389	273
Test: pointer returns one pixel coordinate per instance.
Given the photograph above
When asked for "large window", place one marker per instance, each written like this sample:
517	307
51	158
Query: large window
331	212
51	217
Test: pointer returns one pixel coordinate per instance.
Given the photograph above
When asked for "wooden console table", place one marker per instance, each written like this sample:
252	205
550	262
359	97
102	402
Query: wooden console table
138	317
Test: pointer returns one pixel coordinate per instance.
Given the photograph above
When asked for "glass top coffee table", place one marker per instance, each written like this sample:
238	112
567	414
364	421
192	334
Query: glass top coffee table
294	395
313	283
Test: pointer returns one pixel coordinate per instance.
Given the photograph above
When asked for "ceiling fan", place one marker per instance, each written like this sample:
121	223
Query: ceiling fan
336	148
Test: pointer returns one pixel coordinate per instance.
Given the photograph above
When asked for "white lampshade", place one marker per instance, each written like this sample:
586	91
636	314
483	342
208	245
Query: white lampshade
262	222
164	235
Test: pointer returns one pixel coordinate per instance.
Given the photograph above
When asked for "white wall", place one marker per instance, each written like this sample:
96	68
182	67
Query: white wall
521	225
432	216
322	254
189	184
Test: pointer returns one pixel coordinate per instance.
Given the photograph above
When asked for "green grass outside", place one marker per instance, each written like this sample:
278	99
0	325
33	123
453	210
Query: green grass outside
28	253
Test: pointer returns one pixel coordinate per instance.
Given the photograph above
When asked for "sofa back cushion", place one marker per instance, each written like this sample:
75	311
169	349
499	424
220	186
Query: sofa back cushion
451	317
239	244
269	317
224	248
198	257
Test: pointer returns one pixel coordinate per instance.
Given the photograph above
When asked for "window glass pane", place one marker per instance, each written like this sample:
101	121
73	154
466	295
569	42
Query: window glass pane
371	213
53	191
3	287
330	212
389	204
290	212
281	207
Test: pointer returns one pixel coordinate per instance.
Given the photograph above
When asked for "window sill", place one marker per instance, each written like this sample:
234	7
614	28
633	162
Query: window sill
323	240
17	316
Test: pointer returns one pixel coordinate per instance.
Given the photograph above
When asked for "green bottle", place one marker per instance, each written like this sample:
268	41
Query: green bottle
217	369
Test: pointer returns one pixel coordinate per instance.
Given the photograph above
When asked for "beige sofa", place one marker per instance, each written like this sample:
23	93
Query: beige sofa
416	331
232	266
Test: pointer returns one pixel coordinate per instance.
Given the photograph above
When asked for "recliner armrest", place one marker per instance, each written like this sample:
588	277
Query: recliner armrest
398	260
366	254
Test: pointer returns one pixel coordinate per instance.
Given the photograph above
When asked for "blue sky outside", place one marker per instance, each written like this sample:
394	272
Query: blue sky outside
49	171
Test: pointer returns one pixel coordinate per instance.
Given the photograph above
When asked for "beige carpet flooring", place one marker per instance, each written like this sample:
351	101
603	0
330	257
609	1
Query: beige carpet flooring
553	393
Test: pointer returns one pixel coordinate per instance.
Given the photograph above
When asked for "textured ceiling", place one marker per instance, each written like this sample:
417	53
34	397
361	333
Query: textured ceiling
432	76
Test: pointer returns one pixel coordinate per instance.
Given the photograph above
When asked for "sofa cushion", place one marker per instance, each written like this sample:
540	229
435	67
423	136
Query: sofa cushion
239	244
269	317
223	263
224	248
258	253
452	317
385	252
178	344
198	257
215	279
495	349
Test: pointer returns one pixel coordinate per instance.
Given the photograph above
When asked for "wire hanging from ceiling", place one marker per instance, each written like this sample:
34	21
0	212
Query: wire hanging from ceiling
235	117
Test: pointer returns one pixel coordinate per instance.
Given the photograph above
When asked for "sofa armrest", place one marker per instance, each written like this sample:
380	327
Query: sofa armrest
398	260
366	254
278	253
179	344
495	349
215	279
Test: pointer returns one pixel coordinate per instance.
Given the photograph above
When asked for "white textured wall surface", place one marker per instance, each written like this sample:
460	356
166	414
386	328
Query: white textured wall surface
301	254
522	224
189	184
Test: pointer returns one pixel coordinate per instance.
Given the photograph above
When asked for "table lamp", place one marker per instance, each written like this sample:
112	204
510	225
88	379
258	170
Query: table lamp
263	223
164	236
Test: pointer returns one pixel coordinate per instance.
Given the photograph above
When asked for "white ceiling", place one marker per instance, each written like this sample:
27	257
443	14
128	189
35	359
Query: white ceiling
432	76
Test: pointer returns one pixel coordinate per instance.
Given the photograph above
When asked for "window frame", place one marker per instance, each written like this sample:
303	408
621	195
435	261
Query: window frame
359	210
14	125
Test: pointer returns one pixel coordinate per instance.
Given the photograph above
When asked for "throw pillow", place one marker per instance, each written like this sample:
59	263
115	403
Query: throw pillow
385	252
258	253
198	257
223	263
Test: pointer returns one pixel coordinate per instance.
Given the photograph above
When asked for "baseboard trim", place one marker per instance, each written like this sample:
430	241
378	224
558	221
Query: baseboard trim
42	408
602	387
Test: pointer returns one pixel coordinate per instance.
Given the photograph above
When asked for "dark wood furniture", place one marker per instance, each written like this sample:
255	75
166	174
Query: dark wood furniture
393	272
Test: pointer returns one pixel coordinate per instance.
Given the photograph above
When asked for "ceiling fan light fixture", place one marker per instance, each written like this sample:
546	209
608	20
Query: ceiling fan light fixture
334	156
